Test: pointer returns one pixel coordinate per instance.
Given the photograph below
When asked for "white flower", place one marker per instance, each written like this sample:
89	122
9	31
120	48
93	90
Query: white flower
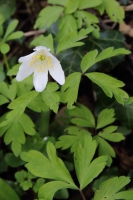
40	62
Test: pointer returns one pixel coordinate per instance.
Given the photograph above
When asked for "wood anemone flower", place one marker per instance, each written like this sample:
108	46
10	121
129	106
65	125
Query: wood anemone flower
40	62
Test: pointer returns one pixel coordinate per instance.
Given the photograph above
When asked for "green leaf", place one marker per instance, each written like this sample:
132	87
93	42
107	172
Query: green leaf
60	2
48	16
66	24
71	6
105	149
51	167
69	90
38	184
13	161
71	39
7	8
4	48
89	4
6	192
125	114
108	38
113	9
2	19
85	169
109	85
43	41
51	97
108	134
92	57
85	117
15	125
127	195
37	104
48	190
88	60
14	70
75	136
27	124
22	101
105	117
75	56
8	92
11	27
111	187
3	100
85	17
15	35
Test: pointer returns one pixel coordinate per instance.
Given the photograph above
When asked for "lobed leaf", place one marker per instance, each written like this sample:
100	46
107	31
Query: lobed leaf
51	97
48	16
48	190
105	117
75	136
72	39
109	85
85	117
89	4
109	134
85	169
69	90
108	189
51	167
92	57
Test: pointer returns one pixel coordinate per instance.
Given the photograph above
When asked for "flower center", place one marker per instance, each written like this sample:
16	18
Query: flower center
42	57
40	61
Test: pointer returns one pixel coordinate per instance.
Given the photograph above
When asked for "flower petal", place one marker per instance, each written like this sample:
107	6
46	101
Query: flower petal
40	80
24	71
25	58
56	71
41	48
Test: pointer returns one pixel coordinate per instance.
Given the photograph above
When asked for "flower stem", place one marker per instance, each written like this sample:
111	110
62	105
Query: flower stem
6	62
82	195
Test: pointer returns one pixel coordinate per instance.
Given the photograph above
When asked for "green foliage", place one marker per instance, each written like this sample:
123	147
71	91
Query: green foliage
45	20
71	39
43	41
24	179
75	136
51	167
69	90
66	25
85	4
85	169
6	192
103	120
108	134
85	117
12	160
32	123
113	9
110	86
51	97
7	8
71	6
108	38
92	57
63	2
110	189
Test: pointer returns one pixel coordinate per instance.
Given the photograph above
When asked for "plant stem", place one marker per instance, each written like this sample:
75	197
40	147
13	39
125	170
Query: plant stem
82	195
6	62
